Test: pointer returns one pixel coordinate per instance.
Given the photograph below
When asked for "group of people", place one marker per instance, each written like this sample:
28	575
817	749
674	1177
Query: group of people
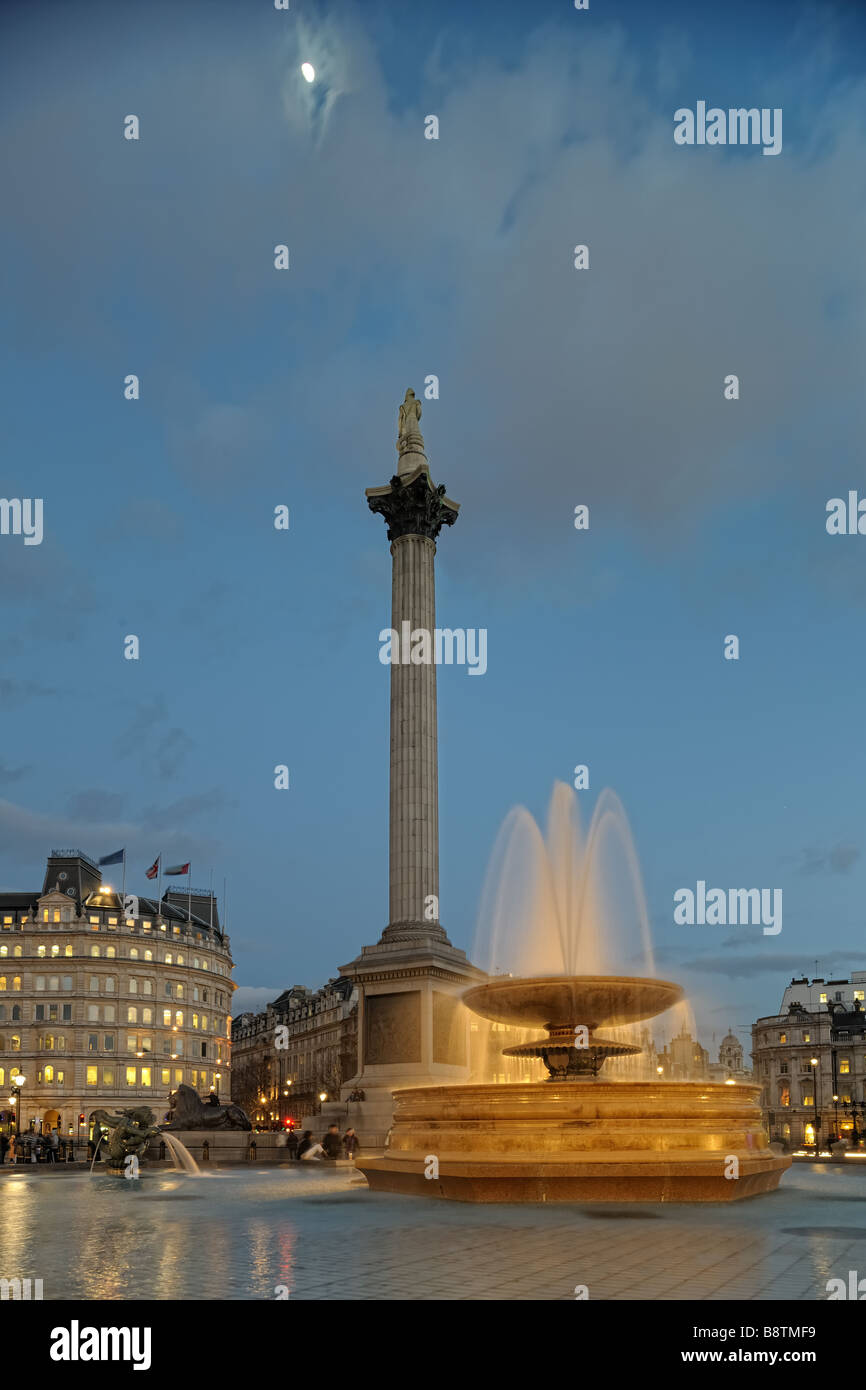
331	1146
30	1146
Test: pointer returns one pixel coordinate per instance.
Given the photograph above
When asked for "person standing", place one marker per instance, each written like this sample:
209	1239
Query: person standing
350	1142
331	1142
53	1145
292	1144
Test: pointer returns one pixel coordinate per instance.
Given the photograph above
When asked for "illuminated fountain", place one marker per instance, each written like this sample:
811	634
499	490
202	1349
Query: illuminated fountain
551	909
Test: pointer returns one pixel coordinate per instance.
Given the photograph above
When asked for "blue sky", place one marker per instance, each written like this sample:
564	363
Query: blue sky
453	257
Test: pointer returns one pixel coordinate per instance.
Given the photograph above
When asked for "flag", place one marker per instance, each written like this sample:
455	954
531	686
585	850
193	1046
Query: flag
116	858
177	869
154	868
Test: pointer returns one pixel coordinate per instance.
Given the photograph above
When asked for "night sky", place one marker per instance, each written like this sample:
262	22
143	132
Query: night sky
411	257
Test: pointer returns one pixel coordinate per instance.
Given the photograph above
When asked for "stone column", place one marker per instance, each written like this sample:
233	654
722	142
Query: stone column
414	791
415	512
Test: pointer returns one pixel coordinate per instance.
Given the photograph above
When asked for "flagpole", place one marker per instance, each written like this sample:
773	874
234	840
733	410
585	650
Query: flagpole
159	887
211	900
189	892
123	886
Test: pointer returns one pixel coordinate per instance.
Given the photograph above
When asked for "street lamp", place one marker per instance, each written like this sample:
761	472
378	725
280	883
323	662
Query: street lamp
17	1082
836	1109
813	1063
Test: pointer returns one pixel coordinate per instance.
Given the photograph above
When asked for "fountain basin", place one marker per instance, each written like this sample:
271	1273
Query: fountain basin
595	1001
578	1141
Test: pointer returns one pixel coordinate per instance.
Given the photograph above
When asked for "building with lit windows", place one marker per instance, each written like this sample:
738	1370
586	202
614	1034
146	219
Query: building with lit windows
810	1059
108	1002
276	1085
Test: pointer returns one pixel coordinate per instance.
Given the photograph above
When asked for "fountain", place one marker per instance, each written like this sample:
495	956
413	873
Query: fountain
573	1136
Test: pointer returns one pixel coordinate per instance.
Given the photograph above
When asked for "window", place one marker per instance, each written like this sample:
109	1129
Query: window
783	1068
132	1014
67	981
147	986
16	982
133	985
94	950
130	1076
178	1018
49	1073
168	989
131	1042
168	957
148	955
40	951
807	1037
195	994
195	1020
108	1013
111	951
93	1042
808	1098
94	921
166	1018
178	1076
92	1074
164	1076
844	1066
67	1013
92	1013
38	1012
146	1073
93	986
16	1043
783	1037
859	994
838	996
108	1042
108	1076
55	950
180	991
110	983
204	1049
147	1015
133	953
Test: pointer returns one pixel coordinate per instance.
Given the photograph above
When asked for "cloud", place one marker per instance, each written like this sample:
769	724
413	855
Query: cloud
747	965
18	692
252	999
834	861
12	774
27	836
153	746
95	804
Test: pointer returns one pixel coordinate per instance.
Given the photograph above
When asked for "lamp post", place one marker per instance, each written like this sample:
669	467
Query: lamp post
17	1082
836	1108
813	1062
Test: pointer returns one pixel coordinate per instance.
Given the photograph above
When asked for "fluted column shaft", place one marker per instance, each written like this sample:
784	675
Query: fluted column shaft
414	784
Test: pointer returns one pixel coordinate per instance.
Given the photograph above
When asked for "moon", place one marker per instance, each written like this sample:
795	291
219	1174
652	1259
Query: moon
308	71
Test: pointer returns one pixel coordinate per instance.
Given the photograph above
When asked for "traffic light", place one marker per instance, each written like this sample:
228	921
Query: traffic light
81	1119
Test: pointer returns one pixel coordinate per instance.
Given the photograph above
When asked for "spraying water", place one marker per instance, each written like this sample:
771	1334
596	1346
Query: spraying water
181	1157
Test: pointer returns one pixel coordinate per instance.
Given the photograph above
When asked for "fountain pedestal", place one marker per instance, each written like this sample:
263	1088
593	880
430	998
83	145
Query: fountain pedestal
566	1140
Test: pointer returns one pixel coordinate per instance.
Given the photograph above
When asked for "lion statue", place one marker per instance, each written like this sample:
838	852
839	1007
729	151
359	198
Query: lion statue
187	1110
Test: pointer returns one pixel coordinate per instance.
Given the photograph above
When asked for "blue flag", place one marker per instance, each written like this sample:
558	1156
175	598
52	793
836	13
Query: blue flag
112	858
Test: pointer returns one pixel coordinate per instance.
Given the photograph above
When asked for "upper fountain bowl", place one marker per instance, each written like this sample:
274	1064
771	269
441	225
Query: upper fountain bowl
557	1002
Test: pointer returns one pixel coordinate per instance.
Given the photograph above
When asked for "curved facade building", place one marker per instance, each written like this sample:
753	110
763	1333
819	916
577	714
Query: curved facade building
108	1002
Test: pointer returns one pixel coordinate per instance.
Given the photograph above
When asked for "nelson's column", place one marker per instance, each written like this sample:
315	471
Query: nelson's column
411	1028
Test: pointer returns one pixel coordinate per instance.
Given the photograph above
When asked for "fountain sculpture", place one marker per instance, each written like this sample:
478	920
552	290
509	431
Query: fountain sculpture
130	1132
575	1136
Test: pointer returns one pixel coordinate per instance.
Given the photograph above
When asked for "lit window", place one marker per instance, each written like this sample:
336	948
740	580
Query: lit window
55	950
147	1015
111	951
844	1066
57	914
822	999
133	953
92	1073
166	1018
132	1015
148	955
130	1076
40	951
112	921
49	1073
164	1076
68	951
94	921
94	950
108	1076
16	981
783	1037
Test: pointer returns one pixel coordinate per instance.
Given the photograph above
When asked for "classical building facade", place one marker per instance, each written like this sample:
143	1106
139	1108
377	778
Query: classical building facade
810	1059
279	1078
108	1002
